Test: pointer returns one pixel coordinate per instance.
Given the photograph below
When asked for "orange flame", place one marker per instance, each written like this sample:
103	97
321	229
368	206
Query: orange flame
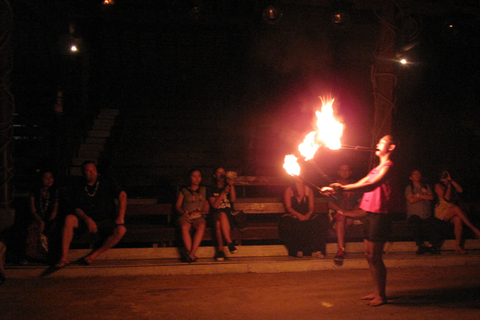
328	133
291	165
308	147
329	130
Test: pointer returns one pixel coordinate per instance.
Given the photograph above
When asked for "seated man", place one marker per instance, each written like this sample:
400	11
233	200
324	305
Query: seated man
345	208
95	211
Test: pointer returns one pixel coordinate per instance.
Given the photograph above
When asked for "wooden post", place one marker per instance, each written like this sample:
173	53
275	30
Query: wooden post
6	115
383	75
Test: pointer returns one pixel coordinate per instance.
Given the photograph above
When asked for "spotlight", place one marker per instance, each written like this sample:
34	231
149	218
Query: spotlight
108	2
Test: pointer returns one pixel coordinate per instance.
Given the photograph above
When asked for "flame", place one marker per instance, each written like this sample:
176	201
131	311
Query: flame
308	147
291	165
328	133
329	130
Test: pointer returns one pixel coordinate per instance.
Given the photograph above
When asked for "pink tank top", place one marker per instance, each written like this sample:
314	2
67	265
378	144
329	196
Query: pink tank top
377	200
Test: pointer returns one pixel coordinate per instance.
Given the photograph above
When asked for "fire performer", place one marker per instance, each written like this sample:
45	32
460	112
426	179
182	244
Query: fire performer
375	202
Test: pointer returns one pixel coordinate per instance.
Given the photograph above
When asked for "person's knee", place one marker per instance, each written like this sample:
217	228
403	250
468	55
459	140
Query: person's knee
202	224
456	220
71	221
184	226
120	231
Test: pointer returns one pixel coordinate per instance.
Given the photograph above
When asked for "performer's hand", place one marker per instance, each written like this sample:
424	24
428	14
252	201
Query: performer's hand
337	187
327	191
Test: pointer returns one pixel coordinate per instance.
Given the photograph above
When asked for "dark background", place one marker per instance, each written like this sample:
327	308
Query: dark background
175	54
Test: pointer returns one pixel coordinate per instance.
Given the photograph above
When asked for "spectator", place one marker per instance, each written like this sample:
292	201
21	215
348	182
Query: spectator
43	205
341	203
192	205
446	209
221	196
302	231
419	198
95	212
377	224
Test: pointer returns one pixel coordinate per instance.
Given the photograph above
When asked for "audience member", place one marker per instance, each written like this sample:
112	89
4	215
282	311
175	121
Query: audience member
43	204
377	223
192	205
446	209
339	204
95	212
419	214
221	196
302	230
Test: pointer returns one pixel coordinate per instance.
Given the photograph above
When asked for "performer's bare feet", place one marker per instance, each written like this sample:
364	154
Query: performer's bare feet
377	302
369	297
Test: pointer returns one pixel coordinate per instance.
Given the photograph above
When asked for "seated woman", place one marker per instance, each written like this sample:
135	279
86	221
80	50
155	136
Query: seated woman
419	196
192	205
446	209
301	230
43	210
221	196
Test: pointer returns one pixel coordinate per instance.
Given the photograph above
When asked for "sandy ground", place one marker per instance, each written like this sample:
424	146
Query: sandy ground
414	293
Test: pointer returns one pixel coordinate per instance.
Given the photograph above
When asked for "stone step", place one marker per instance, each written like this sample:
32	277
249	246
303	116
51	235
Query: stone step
249	259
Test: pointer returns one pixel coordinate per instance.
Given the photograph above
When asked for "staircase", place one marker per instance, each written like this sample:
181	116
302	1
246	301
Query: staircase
94	143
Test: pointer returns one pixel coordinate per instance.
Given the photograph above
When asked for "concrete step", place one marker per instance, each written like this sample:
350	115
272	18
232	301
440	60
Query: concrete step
99	133
108	113
91	147
95	140
249	259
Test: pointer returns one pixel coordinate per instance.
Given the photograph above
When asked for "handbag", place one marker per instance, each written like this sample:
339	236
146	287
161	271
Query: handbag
240	219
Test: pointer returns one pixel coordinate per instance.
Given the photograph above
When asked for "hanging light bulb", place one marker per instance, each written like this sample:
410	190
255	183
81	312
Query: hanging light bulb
272	14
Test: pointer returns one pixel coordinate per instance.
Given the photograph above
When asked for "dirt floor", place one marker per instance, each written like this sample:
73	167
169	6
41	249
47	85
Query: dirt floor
414	293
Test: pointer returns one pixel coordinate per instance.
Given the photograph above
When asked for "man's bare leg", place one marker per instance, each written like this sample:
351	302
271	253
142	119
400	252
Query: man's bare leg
71	222
111	241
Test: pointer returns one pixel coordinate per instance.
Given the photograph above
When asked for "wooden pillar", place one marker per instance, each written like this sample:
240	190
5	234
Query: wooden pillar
383	75
6	115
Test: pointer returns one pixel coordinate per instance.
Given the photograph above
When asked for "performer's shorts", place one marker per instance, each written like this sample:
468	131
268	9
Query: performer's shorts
377	227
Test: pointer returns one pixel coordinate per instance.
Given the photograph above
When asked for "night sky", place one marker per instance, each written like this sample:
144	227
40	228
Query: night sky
163	53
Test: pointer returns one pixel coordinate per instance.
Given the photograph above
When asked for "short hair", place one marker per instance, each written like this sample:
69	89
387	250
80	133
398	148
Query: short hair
84	164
